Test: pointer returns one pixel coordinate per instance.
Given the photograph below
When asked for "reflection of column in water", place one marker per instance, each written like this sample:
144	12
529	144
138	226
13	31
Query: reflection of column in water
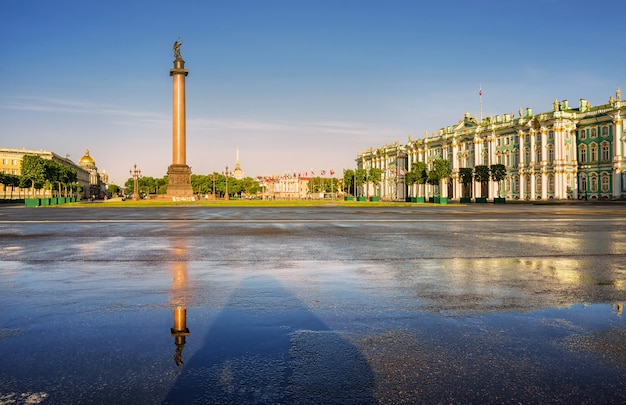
619	306
180	332
178	299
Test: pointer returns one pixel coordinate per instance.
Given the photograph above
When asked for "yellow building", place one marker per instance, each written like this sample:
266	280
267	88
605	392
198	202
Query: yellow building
93	184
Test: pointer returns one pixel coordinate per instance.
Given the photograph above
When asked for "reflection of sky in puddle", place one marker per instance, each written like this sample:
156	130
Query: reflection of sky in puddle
428	314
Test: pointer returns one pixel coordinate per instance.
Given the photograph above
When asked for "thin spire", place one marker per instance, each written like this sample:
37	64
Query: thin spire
480	94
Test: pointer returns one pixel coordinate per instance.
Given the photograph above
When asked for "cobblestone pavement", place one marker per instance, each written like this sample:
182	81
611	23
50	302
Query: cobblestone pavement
364	305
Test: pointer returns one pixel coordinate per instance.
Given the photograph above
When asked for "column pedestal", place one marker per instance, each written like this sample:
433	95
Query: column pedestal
179	182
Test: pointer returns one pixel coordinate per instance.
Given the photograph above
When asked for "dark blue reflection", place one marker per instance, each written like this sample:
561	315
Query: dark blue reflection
267	347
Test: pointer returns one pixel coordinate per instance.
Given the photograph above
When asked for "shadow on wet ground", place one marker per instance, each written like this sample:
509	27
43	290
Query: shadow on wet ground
266	347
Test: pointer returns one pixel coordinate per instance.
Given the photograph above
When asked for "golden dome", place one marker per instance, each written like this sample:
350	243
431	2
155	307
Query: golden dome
86	159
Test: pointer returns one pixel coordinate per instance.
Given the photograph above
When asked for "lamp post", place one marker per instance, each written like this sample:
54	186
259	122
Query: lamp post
213	177
226	192
136	174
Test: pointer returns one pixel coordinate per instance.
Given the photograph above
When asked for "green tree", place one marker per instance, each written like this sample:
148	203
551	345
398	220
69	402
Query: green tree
33	171
360	177
9	180
441	170
348	181
249	186
417	175
498	173
67	176
482	175
114	189
466	175
374	176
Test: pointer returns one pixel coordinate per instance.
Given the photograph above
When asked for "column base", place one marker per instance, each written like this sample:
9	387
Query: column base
179	183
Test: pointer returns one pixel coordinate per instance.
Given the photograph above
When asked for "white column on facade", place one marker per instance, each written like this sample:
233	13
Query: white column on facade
533	164
617	158
492	160
544	161
557	163
455	168
478	160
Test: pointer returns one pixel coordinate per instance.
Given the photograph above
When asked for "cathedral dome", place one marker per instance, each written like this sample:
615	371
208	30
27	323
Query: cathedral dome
86	160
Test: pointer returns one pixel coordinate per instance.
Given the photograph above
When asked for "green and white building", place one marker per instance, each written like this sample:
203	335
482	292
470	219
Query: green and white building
571	152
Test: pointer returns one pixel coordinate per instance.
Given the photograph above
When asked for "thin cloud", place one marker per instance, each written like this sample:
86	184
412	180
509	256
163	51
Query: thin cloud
44	104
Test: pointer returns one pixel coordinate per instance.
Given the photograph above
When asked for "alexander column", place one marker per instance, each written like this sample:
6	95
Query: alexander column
179	174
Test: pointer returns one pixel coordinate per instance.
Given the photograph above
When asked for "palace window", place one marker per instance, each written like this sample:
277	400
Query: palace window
538	155
515	158
605	131
582	134
527	156
605	182
551	184
582	154
583	183
594	183
594	152
538	184
516	184
605	151
527	138
594	133
550	134
550	155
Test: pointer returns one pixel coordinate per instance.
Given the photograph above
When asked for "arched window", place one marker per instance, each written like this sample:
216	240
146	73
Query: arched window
605	181
594	183
550	154
550	135
538	184
551	184
594	152
526	155
583	183
594	133
606	155
582	154
605	131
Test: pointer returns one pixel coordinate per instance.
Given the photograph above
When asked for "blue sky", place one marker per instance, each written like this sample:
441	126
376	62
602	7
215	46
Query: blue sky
296	85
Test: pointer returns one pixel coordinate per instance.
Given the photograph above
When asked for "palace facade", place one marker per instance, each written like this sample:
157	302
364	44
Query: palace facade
571	152
93	183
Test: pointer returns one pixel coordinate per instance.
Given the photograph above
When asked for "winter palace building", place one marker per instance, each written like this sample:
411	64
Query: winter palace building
571	152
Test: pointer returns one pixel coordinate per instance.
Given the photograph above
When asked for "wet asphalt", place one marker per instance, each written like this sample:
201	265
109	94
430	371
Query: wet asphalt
320	305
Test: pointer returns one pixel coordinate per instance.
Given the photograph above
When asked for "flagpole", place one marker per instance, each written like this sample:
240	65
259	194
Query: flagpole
480	93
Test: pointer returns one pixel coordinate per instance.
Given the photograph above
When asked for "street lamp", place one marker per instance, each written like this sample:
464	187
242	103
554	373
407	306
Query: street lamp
136	174
213	177
226	192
